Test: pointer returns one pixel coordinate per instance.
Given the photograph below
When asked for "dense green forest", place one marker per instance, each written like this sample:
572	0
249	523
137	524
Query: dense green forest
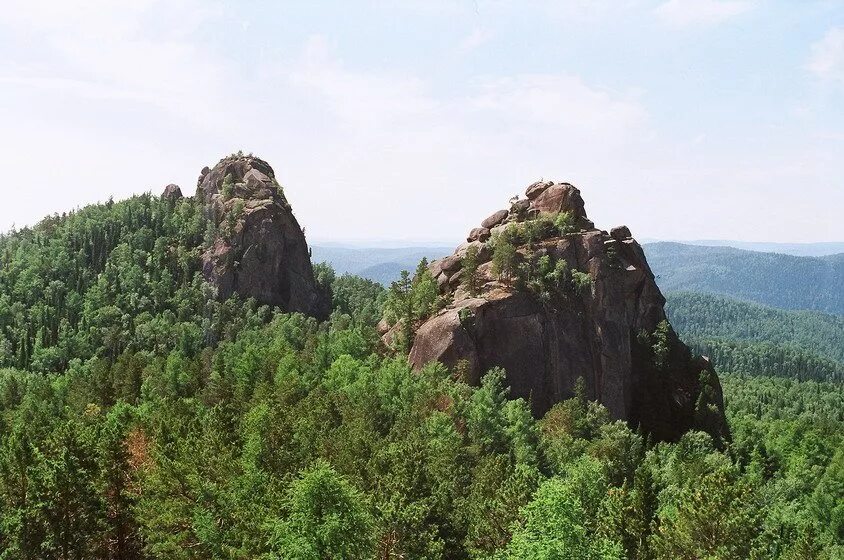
783	281
141	418
751	338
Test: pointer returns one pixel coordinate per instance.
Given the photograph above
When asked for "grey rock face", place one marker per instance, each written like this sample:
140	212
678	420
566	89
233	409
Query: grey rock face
172	192
259	248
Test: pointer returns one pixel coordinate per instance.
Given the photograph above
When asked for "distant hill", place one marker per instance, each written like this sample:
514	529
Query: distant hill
783	281
745	337
797	249
383	265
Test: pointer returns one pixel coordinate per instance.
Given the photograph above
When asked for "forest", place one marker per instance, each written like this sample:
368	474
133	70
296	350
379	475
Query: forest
141	418
745	337
776	280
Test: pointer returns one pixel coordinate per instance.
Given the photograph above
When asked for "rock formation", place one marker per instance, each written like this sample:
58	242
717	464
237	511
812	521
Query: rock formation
548	323
259	249
172	192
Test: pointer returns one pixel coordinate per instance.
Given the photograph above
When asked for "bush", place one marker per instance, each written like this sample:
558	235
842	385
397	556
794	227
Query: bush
228	186
470	279
581	281
504	259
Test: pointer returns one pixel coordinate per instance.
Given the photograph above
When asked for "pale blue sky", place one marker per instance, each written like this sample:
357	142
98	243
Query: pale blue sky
413	120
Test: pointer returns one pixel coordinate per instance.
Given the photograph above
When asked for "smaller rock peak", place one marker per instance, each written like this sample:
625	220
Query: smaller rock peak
172	192
620	233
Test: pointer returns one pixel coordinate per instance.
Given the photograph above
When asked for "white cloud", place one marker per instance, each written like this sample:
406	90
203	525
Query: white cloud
589	11
827	58
555	101
562	102
683	13
142	51
475	39
395	141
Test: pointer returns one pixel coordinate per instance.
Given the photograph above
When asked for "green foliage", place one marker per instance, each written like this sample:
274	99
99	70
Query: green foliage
504	260
359	298
410	301
109	278
326	518
564	223
715	516
227	187
661	348
547	278
582	281
535	229
556	525
140	418
749	338
470	278
781	281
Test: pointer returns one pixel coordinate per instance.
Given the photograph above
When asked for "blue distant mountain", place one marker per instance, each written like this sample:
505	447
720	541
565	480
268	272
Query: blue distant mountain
379	264
797	249
770	278
774	279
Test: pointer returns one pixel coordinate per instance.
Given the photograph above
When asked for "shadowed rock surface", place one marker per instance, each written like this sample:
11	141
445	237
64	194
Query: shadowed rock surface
259	250
608	332
172	192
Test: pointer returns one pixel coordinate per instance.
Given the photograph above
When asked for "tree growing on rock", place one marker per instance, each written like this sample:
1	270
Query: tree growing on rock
411	300
504	260
470	279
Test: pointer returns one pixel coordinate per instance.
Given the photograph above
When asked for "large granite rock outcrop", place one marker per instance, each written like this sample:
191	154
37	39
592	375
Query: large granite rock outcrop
259	250
612	333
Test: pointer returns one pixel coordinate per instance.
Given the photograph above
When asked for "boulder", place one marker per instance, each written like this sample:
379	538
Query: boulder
442	282
620	233
478	234
537	189
484	251
495	219
172	192
519	209
560	198
451	263
435	268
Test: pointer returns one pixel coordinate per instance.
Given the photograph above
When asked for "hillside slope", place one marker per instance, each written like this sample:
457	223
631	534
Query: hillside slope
818	249
153	273
783	281
754	339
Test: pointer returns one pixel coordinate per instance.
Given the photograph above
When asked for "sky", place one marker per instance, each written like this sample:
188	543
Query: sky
414	120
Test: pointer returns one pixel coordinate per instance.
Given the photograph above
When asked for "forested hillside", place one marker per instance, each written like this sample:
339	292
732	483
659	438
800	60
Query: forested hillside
105	279
783	281
817	249
142	418
752	338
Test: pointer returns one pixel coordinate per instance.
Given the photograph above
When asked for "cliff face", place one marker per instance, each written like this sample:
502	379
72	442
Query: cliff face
548	324
259	249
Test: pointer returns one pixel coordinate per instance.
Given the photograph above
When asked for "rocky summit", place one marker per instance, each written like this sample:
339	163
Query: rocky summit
258	249
540	292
